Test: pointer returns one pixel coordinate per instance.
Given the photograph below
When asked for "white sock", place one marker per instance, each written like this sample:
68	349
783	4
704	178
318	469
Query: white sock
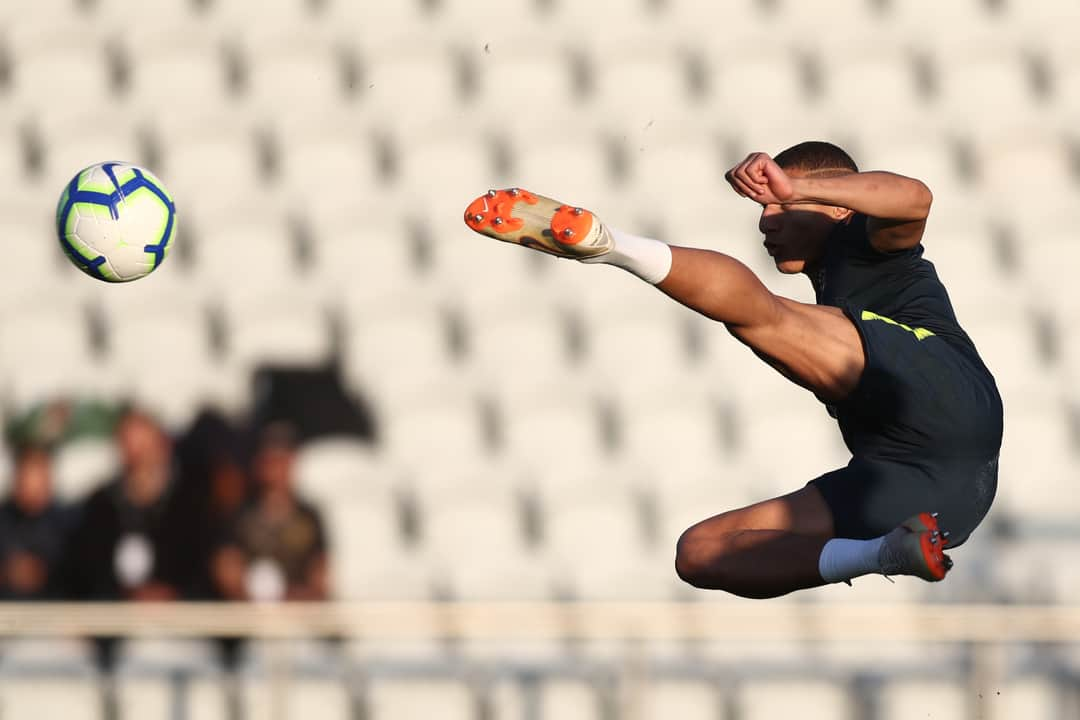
843	559
649	259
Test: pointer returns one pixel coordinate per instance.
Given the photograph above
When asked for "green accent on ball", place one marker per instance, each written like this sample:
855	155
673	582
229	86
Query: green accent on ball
86	182
69	224
60	206
83	211
108	273
157	183
159	236
124	174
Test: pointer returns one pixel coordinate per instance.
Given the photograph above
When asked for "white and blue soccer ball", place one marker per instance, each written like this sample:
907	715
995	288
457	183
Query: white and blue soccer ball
116	221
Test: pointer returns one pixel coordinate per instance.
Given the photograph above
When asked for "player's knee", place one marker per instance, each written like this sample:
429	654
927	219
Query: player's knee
699	558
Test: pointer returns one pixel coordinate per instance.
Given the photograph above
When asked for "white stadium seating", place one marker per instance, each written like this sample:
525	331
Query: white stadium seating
547	429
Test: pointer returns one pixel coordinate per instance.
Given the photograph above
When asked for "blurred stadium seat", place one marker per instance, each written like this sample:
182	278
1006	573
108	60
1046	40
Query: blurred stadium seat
1031	697
366	24
46	56
986	87
813	700
400	351
340	469
79	467
575	167
369	555
51	699
684	699
299	699
598	549
446	169
329	167
73	142
213	160
1037	152
877	83
57	328
433	74
362	257
645	89
907	698
485	524
549	429
572	420
31	248
776	82
116	16
676	173
1040	446
517	355
419	699
978	22
167	67
528	85
570	700
674	432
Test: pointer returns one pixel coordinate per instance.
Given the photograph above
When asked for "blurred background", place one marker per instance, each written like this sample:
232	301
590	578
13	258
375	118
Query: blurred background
333	391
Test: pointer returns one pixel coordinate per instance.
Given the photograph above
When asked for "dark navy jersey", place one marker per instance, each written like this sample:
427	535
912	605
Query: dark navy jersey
901	285
925	392
924	423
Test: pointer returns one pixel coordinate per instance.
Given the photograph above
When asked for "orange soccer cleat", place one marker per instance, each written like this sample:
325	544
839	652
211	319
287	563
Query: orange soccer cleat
917	548
524	218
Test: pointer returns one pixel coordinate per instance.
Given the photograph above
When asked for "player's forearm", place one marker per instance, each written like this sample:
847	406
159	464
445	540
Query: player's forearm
881	195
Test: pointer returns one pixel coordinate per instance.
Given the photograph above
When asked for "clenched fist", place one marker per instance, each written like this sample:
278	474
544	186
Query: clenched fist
759	178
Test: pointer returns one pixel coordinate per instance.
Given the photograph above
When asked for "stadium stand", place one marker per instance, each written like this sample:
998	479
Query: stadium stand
321	152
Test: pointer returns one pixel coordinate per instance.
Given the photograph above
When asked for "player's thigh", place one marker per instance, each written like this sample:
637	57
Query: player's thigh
803	512
817	346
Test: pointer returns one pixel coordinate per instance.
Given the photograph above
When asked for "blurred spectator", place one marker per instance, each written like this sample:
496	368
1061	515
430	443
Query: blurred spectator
277	548
214	488
51	423
33	527
133	540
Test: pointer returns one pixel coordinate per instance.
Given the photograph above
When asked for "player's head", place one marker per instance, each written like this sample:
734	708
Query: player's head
795	235
32	486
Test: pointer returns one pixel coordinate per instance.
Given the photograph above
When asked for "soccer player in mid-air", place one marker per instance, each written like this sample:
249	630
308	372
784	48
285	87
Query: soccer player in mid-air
882	348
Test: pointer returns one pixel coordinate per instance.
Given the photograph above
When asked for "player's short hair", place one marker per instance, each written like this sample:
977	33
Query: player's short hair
822	159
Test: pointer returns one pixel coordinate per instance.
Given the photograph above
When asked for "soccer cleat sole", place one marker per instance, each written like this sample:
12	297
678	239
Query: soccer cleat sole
924	526
534	221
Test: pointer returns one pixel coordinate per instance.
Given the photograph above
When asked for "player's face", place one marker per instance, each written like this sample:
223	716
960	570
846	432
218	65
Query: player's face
795	235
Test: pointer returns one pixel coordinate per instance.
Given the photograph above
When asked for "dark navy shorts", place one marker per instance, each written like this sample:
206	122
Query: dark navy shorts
924	426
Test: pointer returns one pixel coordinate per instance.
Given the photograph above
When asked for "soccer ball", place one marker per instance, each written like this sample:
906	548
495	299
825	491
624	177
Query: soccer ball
115	221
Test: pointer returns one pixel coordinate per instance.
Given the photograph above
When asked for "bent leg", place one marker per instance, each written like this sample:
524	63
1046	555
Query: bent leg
815	346
764	550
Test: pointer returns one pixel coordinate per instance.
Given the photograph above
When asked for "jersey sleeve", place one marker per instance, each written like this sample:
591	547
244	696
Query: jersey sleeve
855	239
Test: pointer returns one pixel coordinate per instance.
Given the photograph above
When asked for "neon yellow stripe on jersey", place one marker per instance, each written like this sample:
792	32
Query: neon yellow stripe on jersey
920	333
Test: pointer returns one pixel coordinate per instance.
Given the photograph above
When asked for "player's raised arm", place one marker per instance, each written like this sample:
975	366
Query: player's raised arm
896	205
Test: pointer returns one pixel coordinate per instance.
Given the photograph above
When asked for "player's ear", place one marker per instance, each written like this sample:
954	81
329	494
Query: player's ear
840	214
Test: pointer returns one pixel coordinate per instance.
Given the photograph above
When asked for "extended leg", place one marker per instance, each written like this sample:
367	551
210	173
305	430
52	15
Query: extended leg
816	347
